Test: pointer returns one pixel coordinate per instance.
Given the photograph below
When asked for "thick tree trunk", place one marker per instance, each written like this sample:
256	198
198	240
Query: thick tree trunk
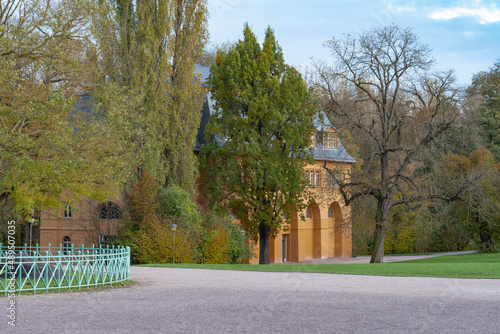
486	239
380	228
264	251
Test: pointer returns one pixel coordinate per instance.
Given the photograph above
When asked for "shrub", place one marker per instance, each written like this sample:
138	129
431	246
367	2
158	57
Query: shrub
155	245
221	240
176	205
200	237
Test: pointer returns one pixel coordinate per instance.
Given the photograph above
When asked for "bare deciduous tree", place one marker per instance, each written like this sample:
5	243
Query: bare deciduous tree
380	90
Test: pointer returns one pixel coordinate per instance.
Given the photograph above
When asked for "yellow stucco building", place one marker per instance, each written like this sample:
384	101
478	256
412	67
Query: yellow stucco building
325	230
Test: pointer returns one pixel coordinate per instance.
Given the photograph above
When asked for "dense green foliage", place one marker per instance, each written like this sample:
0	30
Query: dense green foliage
92	93
148	50
478	206
175	204
486	85
47	145
221	241
262	126
430	227
200	236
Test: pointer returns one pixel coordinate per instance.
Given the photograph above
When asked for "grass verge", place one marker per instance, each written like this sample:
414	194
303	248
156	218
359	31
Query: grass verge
452	266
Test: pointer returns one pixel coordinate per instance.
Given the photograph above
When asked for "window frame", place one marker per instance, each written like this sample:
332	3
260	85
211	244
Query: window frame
67	214
330	139
66	244
313	139
107	207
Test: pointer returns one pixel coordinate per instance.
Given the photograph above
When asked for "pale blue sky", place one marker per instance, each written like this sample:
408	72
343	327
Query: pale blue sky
464	35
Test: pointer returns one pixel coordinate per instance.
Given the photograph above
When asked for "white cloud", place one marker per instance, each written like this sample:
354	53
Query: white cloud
401	9
396	8
484	14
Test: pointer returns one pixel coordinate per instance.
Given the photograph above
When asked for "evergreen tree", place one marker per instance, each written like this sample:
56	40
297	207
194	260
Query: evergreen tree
487	86
262	126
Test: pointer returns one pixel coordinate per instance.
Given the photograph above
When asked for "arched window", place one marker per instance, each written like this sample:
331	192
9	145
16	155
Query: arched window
308	214
110	210
66	245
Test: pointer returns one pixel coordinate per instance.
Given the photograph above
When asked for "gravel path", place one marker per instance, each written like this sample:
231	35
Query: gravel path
164	300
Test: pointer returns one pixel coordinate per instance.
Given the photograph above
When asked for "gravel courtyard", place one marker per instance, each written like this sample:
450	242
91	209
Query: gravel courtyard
164	300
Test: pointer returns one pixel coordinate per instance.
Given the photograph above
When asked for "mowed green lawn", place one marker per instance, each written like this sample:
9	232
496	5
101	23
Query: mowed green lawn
453	266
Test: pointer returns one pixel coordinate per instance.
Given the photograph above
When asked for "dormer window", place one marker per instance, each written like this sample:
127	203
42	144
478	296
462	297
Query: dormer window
313	139
330	139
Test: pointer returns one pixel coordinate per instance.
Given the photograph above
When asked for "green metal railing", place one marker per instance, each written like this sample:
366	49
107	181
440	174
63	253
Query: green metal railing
36	269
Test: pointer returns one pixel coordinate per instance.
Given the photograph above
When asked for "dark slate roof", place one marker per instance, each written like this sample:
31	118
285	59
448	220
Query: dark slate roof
339	154
202	72
205	117
331	154
84	106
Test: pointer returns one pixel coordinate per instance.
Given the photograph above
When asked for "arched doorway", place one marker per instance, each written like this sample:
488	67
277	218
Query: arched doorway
313	230
335	213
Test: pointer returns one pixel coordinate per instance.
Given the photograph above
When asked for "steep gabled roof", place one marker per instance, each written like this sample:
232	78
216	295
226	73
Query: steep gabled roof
338	154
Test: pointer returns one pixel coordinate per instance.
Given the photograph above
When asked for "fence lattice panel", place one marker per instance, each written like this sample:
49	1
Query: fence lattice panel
55	268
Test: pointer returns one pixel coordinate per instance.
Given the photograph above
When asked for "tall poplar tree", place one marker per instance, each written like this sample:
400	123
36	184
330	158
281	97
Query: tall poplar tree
185	95
262	125
149	50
